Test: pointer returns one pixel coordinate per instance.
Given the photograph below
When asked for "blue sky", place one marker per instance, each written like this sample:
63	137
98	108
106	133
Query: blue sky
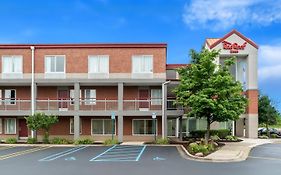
182	24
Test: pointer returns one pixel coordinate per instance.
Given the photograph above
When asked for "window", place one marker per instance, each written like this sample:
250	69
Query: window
10	96
156	96
102	126
143	127
98	64
1	128
72	96
72	126
55	64
10	126
142	64
12	64
90	96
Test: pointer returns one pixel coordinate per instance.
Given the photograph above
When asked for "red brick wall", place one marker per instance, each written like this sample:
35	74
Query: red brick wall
119	58
252	95
26	54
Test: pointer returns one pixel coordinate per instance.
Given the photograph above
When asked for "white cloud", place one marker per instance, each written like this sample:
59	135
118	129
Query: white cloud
224	14
269	62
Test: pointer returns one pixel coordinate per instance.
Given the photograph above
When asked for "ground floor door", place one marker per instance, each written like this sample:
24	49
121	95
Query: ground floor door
23	131
63	97
172	127
144	99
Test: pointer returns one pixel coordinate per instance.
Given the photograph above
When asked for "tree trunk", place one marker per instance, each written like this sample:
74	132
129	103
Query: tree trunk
267	129
207	135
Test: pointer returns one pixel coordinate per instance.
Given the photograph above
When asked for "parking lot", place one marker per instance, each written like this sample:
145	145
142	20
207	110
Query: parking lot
122	160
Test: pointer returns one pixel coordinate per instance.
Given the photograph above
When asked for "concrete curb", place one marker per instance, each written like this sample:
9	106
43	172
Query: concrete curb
241	156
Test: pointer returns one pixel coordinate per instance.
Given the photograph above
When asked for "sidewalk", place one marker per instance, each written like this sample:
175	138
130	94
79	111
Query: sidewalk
232	151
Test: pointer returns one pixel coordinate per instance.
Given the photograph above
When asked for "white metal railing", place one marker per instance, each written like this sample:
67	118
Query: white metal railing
54	104
172	106
98	105
15	104
138	105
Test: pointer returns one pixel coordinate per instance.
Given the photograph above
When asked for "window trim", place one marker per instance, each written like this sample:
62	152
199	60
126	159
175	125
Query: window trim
7	125
98	56
6	103
133	134
103	127
12	56
45	64
72	118
94	102
158	101
152	66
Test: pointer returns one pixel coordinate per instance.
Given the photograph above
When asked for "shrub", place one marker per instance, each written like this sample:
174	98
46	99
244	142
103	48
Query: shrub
263	137
11	140
31	140
110	142
58	140
221	133
215	138
273	135
197	148
83	142
46	140
231	138
162	141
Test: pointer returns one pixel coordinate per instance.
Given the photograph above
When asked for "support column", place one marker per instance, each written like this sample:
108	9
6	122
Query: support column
120	111
164	113
33	105
240	127
76	108
180	128
251	123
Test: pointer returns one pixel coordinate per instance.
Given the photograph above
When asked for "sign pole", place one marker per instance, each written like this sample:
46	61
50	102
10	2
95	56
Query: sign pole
112	124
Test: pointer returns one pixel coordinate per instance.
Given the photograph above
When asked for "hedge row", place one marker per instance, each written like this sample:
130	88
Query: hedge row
222	133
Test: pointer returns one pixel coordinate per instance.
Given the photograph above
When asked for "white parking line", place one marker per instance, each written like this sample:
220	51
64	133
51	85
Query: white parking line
63	153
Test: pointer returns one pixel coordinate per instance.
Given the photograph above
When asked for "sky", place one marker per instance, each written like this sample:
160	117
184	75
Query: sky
182	24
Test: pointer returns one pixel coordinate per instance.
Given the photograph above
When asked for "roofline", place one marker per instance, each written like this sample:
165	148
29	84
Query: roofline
175	66
87	45
229	34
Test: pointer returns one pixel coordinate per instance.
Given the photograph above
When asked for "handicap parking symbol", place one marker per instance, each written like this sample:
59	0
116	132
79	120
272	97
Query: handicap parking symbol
159	158
70	158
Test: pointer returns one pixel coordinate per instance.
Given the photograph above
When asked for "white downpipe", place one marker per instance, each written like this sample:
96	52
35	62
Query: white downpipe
33	133
164	109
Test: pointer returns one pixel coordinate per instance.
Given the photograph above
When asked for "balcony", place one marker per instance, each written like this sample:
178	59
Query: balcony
66	107
15	104
142	105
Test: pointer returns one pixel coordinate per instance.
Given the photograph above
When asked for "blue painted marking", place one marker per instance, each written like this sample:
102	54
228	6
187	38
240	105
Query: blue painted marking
141	153
158	158
61	154
121	153
103	153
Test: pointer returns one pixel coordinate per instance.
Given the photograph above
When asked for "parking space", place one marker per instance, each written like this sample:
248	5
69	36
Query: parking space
121	160
121	153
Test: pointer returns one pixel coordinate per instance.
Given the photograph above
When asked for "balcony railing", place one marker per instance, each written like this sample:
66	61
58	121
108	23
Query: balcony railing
172	106
86	104
142	105
15	104
98	105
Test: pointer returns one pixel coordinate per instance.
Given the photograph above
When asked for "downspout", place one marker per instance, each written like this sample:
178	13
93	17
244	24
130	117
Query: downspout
33	133
164	105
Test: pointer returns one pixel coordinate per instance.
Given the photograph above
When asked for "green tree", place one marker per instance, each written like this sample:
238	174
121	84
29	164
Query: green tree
41	121
33	122
209	91
268	115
